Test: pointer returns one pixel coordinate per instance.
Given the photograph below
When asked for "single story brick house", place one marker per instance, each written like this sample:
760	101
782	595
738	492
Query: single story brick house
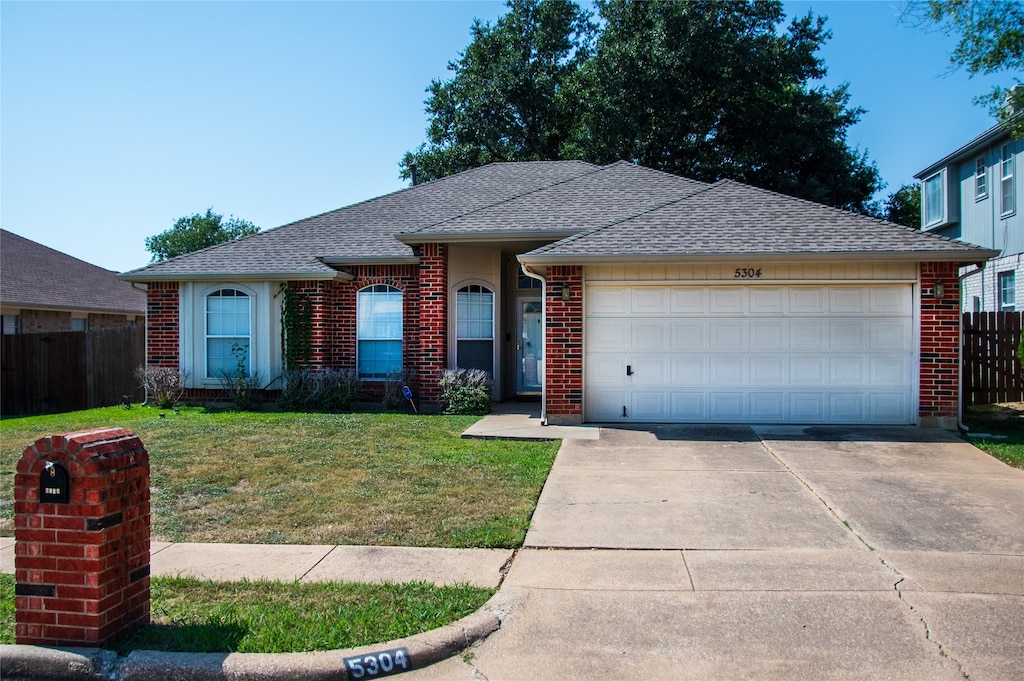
616	293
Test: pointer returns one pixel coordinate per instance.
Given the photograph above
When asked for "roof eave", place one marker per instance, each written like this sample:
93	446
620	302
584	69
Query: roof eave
342	260
970	149
143	277
963	257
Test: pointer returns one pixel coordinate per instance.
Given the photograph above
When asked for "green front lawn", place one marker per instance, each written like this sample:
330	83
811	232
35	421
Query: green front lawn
371	479
197	616
999	430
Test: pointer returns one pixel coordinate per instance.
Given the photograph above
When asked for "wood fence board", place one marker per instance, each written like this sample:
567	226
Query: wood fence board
991	369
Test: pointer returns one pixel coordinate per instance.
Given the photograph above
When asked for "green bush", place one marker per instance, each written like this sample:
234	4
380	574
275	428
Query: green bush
319	389
465	391
394	397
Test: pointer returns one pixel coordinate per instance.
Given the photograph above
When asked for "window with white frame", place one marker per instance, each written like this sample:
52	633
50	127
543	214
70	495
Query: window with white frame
474	328
379	331
1009	204
934	199
11	324
980	179
228	333
1007	291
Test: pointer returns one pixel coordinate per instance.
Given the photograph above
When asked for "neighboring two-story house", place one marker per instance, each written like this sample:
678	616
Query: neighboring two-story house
974	195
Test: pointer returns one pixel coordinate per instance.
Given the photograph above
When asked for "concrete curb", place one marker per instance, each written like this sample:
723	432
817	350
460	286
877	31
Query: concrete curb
36	663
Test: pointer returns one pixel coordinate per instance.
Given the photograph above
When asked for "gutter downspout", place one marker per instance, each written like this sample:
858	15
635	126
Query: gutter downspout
960	351
544	326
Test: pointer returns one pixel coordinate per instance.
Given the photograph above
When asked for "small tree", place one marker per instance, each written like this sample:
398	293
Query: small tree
195	232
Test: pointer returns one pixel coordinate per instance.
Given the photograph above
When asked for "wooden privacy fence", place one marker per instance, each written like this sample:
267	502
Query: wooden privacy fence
991	369
49	373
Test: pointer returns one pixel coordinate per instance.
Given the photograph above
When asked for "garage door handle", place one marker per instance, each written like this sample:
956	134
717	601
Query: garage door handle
629	369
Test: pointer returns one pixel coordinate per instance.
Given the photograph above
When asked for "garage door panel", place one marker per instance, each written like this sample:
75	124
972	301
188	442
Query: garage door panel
729	300
761	353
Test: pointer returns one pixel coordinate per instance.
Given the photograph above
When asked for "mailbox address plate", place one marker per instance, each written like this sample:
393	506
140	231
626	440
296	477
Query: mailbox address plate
54	484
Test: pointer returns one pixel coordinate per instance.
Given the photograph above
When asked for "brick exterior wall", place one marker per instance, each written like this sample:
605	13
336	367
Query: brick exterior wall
82	567
940	346
162	319
563	364
44	321
432	358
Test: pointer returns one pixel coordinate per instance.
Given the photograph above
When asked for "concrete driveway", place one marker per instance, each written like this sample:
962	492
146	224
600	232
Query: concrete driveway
765	553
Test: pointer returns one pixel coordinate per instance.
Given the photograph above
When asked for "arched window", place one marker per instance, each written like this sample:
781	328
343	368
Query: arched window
228	332
474	328
379	331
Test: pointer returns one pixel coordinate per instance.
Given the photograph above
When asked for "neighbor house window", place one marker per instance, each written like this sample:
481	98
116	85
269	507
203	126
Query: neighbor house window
228	329
934	199
79	324
11	324
1009	203
474	332
1007	291
379	331
980	179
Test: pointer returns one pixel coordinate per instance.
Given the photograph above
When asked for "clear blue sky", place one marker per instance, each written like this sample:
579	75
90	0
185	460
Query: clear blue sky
117	118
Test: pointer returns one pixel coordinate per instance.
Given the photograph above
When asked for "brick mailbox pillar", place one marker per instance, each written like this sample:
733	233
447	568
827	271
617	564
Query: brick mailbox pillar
81	530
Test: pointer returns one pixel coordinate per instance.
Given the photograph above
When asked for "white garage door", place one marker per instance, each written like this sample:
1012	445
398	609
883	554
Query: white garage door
750	354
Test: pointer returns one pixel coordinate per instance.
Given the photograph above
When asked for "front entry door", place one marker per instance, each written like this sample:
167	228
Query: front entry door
529	345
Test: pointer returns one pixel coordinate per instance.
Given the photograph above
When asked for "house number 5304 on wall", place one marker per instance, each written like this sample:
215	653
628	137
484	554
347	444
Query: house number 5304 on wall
747	273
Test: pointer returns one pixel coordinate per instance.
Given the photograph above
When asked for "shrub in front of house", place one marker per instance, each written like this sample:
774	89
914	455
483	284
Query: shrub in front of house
324	389
465	391
164	386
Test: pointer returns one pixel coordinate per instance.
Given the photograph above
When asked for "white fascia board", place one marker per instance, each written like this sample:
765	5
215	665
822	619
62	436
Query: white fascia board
904	256
417	238
238	276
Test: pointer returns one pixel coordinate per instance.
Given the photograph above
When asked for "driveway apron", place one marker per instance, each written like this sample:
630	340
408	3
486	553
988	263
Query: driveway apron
765	553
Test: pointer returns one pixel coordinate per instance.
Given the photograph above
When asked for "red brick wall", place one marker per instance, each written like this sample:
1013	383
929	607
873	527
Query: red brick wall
163	312
82	568
563	363
432	359
940	345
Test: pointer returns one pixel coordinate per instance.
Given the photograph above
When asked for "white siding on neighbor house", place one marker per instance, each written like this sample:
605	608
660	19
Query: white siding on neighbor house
981	289
265	331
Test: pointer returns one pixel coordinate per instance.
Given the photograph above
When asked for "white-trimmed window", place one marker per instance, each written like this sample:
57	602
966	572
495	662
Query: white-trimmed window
228	332
980	179
474	328
934	197
1008	204
1007	282
379	331
11	324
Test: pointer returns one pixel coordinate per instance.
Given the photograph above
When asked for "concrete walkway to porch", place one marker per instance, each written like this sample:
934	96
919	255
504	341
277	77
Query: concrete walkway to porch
521	421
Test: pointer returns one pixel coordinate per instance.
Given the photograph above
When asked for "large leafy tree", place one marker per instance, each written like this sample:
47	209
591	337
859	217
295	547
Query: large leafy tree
709	89
195	232
506	100
904	206
991	41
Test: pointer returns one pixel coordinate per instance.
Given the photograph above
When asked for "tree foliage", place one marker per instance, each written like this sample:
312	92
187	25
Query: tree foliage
709	89
195	232
506	101
903	206
991	41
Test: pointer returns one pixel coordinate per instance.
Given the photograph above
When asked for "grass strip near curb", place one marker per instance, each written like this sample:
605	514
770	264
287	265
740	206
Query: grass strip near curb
198	616
999	430
295	478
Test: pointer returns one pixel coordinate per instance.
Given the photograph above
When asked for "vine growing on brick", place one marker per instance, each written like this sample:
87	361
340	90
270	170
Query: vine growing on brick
296	326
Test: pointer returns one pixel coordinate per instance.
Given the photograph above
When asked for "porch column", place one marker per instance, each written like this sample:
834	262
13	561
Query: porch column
433	336
940	345
563	345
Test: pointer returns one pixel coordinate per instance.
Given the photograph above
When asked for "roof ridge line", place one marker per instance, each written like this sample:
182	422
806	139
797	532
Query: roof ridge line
527	192
647	209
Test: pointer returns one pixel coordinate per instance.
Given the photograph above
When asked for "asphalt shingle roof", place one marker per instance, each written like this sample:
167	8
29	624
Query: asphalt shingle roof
38	277
729	218
365	230
615	211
